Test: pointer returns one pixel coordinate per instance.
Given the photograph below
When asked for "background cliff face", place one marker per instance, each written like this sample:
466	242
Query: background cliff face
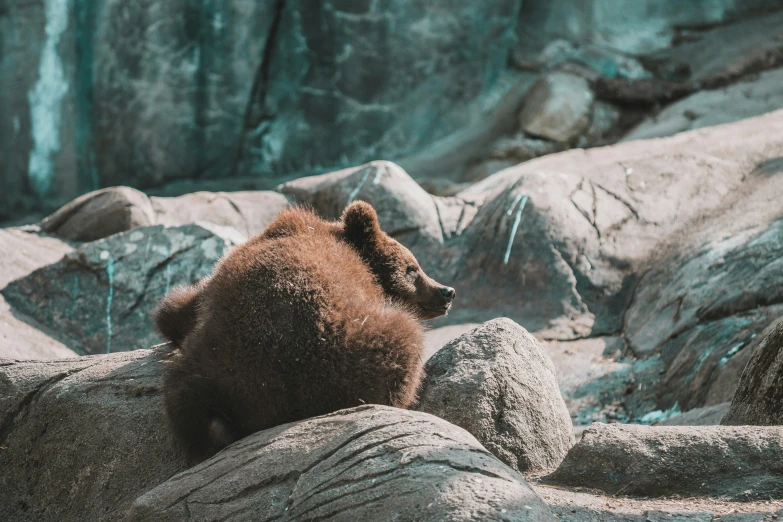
100	93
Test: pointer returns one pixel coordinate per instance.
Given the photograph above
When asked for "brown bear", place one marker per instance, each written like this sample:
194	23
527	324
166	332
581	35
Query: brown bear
308	317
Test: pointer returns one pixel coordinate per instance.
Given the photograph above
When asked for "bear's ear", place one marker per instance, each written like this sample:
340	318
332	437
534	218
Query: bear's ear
361	224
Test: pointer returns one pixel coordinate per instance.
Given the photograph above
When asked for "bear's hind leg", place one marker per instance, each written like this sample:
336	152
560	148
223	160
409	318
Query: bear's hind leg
195	415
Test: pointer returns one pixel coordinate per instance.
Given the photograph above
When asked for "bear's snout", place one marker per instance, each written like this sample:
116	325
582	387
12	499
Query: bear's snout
448	293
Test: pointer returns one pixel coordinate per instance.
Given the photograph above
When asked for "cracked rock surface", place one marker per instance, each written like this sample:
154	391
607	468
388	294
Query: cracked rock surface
98	298
498	383
365	463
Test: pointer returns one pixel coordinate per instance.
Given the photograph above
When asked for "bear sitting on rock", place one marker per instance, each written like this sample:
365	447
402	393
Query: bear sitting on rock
309	317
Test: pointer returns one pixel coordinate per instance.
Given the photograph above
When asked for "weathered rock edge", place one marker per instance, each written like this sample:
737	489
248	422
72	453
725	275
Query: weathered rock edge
81	438
364	463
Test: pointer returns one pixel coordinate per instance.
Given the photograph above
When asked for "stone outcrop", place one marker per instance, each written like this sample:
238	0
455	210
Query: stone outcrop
498	383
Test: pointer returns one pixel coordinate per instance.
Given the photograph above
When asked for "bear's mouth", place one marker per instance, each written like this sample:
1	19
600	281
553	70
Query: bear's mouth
439	310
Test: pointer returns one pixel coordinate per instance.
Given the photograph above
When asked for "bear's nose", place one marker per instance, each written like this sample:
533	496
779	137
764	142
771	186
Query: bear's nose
448	293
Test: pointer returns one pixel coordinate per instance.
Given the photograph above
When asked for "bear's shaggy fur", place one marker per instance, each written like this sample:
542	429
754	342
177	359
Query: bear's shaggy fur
307	318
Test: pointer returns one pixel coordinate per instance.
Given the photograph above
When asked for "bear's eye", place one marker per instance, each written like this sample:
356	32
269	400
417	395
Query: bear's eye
411	269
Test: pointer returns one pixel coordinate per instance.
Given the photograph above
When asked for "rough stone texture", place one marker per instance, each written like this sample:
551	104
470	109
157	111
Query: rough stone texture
21	337
100	214
557	107
759	396
639	28
101	96
716	461
565	263
707	416
81	438
600	384
745	46
711	293
366	463
498	383
752	97
403	206
98	299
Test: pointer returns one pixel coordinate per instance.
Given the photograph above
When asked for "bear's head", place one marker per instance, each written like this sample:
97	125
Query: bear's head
396	268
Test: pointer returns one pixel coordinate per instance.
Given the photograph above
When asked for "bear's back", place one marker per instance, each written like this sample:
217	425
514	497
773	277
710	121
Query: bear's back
290	325
284	307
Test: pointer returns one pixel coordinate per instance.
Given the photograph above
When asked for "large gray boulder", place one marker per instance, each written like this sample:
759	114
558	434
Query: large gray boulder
498	383
741	463
98	298
759	396
104	212
403	206
703	309
100	214
365	463
81	438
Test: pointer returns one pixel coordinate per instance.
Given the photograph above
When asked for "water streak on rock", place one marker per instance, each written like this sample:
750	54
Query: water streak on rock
520	200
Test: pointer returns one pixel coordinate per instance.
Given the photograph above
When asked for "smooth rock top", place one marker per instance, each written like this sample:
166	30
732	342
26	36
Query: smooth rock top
498	383
742	463
101	213
365	463
759	396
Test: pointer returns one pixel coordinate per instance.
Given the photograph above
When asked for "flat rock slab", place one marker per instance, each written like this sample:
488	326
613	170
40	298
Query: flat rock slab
98	299
81	438
741	463
498	383
22	252
365	463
